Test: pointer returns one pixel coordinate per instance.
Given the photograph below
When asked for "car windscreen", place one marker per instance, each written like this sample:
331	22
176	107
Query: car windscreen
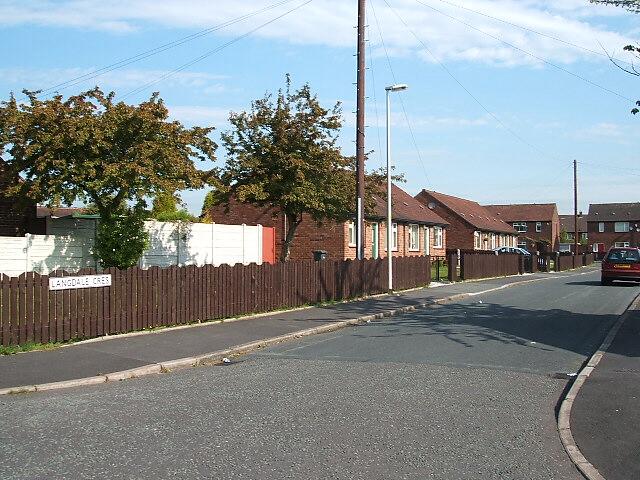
623	256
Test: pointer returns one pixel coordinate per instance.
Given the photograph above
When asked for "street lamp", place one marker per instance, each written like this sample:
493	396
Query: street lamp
393	88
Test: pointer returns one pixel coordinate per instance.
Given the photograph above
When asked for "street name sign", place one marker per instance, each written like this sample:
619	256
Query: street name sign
83	281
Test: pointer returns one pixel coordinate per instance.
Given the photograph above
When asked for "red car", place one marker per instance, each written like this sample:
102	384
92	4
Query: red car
621	263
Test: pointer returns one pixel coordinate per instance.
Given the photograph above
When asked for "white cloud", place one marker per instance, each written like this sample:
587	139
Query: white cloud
330	23
200	115
38	79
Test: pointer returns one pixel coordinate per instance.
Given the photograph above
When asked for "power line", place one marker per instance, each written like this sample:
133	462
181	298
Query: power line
537	57
461	85
413	138
526	29
154	51
214	51
375	99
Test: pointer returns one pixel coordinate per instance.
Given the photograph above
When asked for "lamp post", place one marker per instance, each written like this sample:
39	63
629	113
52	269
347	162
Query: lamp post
393	88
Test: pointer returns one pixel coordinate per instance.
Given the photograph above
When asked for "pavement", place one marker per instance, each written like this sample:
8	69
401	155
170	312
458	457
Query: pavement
125	352
605	416
464	389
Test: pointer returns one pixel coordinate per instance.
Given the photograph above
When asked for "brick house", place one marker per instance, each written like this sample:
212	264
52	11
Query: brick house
14	221
567	224
613	225
416	230
537	224
471	226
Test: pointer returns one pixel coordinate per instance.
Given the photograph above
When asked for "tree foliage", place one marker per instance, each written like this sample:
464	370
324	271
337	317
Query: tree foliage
283	154
165	209
631	5
89	148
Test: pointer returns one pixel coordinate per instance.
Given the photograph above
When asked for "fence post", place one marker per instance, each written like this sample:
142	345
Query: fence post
521	264
453	267
557	262
462	275
534	263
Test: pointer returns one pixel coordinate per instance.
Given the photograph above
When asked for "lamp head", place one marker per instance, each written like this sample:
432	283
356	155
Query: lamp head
397	87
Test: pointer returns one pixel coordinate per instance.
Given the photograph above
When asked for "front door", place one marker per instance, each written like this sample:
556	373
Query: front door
374	241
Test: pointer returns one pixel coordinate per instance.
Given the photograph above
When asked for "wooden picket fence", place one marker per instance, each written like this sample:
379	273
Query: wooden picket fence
139	299
481	264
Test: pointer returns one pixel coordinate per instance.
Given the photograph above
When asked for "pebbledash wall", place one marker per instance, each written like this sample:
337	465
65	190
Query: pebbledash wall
170	244
330	236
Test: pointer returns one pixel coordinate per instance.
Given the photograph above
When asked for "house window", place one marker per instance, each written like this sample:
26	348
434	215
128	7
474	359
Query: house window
621	227
538	227
493	241
394	237
600	227
520	226
437	237
352	234
522	245
414	238
476	241
622	244
583	236
427	241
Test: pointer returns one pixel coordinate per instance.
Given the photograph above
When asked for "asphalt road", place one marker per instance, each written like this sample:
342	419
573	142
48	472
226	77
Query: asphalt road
466	390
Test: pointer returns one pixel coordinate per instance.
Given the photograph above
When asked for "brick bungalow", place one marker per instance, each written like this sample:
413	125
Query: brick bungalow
613	225
537	224
416	230
471	226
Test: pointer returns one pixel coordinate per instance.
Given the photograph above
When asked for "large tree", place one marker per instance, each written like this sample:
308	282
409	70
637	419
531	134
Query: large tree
91	149
632	6
283	154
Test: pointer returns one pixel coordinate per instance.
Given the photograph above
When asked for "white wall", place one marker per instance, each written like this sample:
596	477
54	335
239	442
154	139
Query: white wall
170	244
202	244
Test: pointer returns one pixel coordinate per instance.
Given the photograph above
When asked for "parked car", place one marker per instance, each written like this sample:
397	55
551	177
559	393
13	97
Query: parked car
517	250
621	263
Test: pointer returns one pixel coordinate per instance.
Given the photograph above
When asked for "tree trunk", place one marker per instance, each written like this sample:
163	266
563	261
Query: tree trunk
292	224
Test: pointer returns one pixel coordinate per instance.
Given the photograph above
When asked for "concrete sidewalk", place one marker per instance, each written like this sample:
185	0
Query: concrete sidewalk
161	350
606	413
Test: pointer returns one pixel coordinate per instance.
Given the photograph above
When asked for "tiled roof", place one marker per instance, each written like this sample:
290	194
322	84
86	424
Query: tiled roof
406	208
42	212
524	212
614	212
473	213
567	223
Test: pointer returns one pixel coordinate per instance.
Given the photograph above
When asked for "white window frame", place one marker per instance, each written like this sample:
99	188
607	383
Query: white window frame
477	242
600	227
521	227
437	237
427	241
352	234
394	237
522	245
493	241
621	227
621	244
414	237
538	227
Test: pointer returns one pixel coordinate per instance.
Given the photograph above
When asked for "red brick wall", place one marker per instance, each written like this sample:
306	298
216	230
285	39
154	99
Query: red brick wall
609	237
13	222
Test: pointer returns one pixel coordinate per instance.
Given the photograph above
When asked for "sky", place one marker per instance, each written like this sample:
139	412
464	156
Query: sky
503	95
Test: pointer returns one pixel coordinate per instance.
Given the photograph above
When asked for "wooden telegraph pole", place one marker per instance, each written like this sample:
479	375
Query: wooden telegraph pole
575	207
360	126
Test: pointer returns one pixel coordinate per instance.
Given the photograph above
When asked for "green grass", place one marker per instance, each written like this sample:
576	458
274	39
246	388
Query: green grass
444	271
31	346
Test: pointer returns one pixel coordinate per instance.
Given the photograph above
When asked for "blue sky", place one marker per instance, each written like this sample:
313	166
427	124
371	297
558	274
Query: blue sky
490	122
